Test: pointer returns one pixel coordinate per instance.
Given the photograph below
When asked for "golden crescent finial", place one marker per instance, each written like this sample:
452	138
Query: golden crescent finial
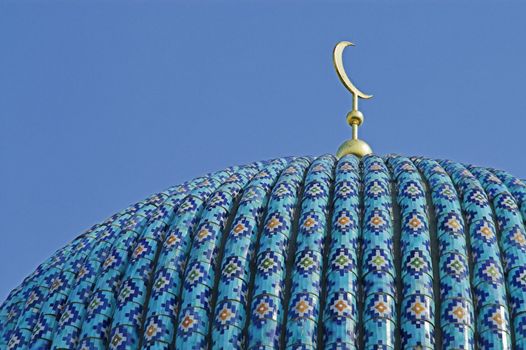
340	70
355	117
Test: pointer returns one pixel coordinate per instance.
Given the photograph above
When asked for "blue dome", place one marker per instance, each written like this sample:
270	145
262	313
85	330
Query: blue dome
300	253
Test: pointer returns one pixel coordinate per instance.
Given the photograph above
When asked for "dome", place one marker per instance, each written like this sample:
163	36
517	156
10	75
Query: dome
301	253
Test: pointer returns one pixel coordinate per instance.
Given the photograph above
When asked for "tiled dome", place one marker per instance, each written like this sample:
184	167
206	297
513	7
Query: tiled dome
307	253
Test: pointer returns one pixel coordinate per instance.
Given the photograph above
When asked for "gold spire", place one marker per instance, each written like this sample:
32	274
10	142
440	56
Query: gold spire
355	117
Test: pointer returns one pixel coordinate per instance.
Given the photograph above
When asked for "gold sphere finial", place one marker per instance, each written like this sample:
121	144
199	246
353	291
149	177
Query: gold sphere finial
354	117
357	147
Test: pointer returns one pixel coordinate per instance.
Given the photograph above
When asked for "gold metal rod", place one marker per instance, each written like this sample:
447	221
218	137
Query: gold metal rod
355	132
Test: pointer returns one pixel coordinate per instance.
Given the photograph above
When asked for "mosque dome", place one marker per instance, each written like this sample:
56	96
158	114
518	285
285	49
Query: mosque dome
357	251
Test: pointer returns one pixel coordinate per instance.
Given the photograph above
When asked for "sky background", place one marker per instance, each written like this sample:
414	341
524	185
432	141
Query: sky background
105	103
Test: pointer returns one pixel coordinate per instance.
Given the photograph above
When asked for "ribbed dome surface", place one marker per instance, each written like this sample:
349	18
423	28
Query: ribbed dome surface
307	253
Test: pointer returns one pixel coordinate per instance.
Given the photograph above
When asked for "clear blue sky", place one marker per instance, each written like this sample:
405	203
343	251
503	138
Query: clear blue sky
104	103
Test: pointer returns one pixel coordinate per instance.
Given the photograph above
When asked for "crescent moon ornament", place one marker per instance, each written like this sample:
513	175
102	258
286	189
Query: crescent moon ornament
338	65
340	70
355	117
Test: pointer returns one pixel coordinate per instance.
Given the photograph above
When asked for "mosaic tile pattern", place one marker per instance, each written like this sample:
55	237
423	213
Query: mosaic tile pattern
455	304
417	306
487	273
293	253
379	313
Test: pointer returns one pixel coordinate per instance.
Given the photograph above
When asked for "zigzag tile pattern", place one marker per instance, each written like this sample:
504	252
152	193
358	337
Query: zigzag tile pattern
293	253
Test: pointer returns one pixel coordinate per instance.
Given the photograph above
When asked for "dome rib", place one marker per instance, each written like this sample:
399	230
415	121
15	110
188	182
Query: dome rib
417	319
378	271
292	253
515	186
